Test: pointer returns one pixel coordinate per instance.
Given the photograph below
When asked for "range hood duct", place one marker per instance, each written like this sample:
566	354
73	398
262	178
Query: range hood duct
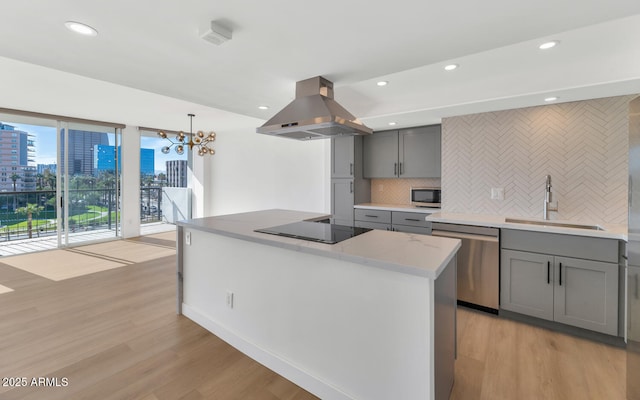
314	114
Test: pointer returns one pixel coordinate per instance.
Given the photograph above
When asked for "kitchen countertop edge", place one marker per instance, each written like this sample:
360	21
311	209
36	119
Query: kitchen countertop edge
611	231
241	226
396	207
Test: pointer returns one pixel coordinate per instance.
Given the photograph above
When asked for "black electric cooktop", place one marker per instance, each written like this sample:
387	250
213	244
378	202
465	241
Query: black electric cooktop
315	231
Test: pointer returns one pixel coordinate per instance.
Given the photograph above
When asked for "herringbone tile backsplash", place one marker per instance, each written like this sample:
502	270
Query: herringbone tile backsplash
396	191
582	145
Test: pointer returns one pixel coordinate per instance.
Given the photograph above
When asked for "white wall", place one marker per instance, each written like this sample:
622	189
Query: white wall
257	172
248	172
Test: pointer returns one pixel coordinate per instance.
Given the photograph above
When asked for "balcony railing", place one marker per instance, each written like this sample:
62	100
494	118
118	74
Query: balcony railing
89	209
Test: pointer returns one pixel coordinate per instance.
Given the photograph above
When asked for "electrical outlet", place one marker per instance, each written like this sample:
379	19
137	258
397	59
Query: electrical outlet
187	238
497	193
230	299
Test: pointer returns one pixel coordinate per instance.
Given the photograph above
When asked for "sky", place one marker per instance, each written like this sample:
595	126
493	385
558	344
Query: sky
45	139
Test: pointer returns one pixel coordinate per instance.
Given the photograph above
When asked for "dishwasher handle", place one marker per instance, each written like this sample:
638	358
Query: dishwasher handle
459	235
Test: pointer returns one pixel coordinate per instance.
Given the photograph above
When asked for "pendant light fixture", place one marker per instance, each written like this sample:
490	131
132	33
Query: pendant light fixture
199	140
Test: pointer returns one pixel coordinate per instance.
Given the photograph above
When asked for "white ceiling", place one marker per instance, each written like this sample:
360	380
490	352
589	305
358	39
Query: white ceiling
154	46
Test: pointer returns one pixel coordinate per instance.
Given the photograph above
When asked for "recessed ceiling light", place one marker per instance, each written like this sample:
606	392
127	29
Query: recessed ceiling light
552	98
382	83
450	67
392	123
80	28
263	107
548	45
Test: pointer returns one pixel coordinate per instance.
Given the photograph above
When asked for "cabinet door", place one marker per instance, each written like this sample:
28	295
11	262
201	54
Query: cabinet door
633	305
381	155
419	152
586	294
526	283
342	201
342	157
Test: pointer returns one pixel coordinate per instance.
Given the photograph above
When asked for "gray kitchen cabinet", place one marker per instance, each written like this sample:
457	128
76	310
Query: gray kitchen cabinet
399	221
523	283
381	155
586	294
343	157
372	225
561	278
348	187
419	152
342	201
407	153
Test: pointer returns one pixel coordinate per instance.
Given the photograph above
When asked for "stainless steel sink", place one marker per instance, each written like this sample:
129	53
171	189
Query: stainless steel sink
554	223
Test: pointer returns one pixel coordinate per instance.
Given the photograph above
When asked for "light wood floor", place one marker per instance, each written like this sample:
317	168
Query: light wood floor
115	335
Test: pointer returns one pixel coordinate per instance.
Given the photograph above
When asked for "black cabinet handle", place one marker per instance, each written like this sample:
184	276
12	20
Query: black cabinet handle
548	274
351	169
371	216
401	172
350	187
560	274
412	219
395	168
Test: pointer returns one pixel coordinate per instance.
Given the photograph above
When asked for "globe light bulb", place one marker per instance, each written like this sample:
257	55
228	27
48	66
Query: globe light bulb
166	149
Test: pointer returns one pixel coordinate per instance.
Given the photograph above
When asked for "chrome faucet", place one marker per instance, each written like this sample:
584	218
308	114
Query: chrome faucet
547	199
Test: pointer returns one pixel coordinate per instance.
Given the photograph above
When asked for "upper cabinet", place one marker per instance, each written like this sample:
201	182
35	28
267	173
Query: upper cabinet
343	157
407	153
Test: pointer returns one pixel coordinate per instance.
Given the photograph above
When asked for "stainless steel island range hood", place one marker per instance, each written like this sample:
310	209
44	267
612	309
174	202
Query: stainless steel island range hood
314	114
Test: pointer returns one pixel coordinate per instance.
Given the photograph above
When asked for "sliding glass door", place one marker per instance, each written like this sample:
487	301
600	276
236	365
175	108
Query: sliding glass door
88	183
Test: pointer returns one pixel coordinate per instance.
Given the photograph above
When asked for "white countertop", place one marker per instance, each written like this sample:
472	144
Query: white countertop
396	207
408	253
611	231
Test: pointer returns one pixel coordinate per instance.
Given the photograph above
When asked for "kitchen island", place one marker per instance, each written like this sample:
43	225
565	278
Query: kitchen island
371	317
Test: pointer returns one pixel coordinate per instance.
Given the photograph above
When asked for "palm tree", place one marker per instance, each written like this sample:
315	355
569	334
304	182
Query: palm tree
14	178
40	179
29	210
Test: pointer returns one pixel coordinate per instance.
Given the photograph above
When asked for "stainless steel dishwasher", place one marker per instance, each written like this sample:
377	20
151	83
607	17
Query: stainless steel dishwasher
478	264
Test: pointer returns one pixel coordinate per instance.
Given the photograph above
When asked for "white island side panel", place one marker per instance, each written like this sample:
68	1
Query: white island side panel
341	330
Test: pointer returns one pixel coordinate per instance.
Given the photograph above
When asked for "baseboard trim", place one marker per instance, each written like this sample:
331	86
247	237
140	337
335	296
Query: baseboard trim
616	341
295	374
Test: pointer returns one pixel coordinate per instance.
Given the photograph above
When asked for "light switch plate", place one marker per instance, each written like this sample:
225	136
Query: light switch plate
497	193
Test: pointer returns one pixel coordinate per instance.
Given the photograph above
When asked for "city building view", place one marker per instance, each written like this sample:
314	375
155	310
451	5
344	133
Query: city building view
29	178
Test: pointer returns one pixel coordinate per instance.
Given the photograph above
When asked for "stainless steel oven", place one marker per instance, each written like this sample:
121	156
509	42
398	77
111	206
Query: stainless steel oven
425	196
478	264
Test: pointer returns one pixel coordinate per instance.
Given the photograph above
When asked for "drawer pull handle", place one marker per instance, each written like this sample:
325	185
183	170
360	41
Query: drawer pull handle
412	219
395	168
371	216
351	169
548	269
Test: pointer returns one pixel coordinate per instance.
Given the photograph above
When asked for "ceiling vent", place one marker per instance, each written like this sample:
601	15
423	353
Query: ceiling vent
216	34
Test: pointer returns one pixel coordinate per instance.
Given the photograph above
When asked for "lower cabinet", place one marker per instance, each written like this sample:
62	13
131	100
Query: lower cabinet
398	221
577	292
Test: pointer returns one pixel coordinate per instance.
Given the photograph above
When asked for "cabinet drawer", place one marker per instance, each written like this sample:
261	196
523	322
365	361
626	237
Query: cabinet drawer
408	218
372	225
589	248
412	229
380	216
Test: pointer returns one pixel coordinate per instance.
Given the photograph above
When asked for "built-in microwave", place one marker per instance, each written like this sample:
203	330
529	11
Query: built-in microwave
426	196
